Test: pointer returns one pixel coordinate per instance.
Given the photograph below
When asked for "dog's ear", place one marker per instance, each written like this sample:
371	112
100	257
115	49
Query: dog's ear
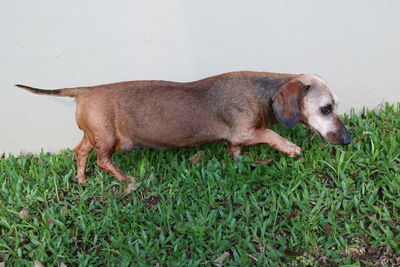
286	102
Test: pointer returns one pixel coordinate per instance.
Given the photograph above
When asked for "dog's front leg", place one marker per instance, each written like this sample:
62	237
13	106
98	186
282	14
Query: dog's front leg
234	151
269	137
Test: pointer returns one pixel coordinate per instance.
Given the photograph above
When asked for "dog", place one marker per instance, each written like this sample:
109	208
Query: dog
234	108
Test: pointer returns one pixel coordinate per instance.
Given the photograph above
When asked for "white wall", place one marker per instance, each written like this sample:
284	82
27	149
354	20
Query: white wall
354	44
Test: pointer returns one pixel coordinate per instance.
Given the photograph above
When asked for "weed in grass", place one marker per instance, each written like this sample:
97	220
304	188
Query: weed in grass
336	206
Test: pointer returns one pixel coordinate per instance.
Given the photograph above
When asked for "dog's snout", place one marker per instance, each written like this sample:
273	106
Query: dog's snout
346	139
339	137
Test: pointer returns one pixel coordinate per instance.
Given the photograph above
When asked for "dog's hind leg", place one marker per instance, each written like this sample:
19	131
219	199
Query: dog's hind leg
105	150
269	137
81	152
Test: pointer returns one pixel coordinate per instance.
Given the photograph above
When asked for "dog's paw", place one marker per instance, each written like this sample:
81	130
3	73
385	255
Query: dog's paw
81	180
131	187
293	150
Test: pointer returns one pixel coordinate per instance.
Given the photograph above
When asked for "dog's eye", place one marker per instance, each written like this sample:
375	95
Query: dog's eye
326	110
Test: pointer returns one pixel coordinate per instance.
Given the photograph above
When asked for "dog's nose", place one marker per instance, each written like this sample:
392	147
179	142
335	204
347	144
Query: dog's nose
345	136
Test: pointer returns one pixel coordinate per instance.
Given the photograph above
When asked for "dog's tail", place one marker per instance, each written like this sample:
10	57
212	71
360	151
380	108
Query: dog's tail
71	92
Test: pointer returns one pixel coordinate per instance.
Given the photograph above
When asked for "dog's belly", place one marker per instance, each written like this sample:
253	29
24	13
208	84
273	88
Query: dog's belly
166	142
125	144
171	133
165	139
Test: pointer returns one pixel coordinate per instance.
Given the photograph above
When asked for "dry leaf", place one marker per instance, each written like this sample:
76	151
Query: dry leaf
4	257
364	133
301	159
131	187
294	214
252	257
62	264
218	261
24	214
38	264
266	161
324	259
196	158
352	251
64	208
260	247
328	229
50	221
293	253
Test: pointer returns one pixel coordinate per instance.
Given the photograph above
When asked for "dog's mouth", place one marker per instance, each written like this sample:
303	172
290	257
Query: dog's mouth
341	137
322	137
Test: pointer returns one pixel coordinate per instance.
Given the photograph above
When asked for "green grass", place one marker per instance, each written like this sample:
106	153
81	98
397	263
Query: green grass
325	209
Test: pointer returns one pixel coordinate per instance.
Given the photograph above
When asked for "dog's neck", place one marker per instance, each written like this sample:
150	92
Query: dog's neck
267	84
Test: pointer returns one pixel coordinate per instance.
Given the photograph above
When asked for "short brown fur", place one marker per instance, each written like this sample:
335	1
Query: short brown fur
233	107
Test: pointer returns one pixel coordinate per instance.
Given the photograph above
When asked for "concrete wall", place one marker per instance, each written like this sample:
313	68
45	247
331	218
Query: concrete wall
353	44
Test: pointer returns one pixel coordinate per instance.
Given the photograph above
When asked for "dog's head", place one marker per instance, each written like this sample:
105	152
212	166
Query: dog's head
310	100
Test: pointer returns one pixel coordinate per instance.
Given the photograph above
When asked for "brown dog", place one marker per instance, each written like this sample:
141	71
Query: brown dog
233	107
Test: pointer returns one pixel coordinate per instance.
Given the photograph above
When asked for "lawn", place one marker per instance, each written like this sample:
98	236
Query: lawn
334	206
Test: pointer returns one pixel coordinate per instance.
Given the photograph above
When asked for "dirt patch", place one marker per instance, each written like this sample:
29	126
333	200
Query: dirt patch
151	202
383	256
378	256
